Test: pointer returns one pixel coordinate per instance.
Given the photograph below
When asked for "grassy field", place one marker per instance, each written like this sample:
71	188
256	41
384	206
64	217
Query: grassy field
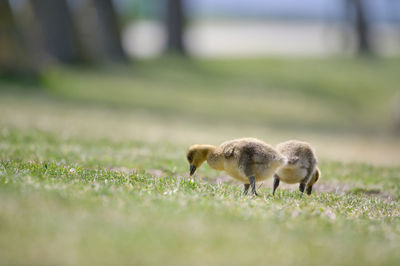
92	165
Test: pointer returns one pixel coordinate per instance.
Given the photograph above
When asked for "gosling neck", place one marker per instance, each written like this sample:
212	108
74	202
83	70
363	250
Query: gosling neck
214	158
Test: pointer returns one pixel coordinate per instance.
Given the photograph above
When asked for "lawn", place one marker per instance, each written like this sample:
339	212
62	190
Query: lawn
93	170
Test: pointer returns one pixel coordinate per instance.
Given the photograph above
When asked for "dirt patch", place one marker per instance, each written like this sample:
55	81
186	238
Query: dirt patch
219	180
153	172
123	170
156	173
337	188
372	193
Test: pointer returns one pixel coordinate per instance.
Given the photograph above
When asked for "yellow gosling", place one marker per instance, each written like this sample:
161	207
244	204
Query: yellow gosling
301	166
248	160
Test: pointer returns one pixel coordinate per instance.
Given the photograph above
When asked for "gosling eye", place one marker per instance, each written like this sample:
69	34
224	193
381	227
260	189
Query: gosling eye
189	158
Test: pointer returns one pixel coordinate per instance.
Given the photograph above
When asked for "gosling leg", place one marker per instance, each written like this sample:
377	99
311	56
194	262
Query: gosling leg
246	189
301	188
252	180
305	181
309	190
276	184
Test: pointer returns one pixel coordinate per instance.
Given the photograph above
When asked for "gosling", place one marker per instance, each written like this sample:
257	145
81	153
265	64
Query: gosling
248	160
301	166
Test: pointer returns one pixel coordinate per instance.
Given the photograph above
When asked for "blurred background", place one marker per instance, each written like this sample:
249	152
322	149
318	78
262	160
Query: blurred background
203	71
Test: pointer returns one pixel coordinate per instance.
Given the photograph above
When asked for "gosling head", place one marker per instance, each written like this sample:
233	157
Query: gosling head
196	155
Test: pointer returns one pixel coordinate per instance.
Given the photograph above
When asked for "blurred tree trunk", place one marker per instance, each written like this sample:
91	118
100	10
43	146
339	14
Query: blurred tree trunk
14	59
109	31
175	22
99	31
361	26
60	39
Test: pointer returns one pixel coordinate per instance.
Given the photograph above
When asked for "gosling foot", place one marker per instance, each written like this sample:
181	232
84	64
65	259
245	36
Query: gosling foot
309	190
246	189
302	186
252	181
276	184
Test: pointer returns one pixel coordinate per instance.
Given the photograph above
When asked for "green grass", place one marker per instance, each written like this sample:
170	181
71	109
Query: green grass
93	170
64	202
329	95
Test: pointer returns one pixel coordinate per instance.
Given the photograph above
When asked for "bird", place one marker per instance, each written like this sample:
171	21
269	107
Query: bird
301	166
248	160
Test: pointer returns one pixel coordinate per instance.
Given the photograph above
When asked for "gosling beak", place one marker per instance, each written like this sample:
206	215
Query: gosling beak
192	169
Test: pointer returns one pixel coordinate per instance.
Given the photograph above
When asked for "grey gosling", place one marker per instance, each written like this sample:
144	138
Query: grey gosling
301	166
248	160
